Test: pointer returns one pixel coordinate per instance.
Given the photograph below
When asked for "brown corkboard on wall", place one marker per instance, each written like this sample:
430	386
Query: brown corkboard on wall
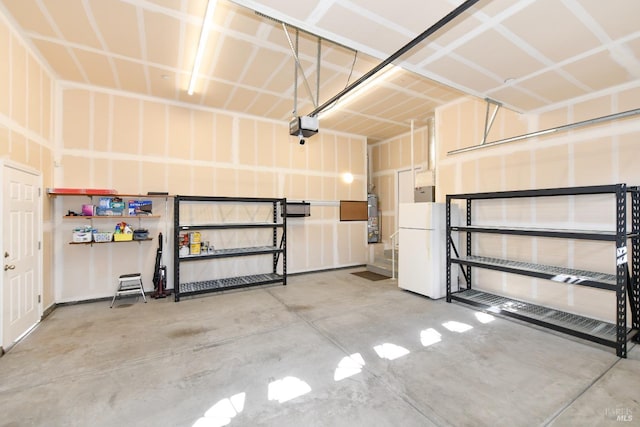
353	210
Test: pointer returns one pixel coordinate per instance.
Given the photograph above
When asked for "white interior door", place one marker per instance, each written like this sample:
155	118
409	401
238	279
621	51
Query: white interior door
21	281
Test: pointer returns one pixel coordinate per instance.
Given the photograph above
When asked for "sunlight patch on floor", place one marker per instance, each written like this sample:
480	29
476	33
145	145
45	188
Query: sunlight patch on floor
430	336
348	367
454	326
484	317
390	351
221	413
287	388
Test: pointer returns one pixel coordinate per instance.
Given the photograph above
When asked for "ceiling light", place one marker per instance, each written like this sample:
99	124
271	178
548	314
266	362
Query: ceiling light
362	89
204	32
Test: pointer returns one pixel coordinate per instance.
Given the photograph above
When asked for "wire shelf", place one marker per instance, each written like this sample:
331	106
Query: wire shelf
554	273
496	303
232	282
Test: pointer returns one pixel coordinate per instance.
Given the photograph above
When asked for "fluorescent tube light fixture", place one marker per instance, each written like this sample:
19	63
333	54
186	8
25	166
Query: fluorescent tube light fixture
204	33
391	70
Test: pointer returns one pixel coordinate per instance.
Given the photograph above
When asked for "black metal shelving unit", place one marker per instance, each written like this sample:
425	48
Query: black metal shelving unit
277	250
625	282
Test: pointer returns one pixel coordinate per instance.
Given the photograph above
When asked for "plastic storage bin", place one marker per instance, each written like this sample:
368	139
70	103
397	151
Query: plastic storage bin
82	236
102	236
140	234
122	237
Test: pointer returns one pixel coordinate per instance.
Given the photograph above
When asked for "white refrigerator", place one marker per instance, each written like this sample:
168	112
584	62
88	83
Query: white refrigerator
422	263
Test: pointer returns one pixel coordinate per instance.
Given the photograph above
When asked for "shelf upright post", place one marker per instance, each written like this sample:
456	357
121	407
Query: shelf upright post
635	257
448	237
621	270
176	249
283	205
468	200
275	236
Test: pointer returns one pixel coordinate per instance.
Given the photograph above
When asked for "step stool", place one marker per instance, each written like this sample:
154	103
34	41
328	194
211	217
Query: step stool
129	284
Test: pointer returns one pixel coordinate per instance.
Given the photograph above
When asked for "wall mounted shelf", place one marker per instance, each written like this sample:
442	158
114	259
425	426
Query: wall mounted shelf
89	217
113	241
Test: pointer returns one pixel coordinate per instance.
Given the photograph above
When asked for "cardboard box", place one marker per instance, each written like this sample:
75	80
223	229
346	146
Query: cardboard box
140	207
105	202
194	248
108	212
110	206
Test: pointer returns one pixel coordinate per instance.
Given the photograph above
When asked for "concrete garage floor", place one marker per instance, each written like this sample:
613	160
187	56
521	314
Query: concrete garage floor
329	349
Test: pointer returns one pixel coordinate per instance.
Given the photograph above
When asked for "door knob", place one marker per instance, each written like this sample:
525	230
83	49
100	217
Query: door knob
9	267
6	254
